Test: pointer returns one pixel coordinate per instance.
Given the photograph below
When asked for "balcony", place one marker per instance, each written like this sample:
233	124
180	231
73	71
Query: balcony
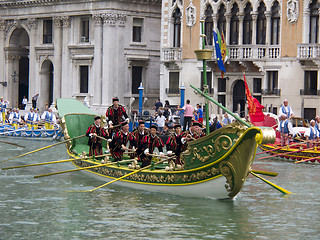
171	54
275	91
310	92
172	90
308	51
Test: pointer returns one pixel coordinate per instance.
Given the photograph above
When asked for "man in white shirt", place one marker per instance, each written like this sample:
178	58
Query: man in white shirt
49	119
285	128
28	118
312	134
286	109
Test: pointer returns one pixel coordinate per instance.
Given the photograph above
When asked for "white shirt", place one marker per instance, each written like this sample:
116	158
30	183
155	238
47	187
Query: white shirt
308	132
287	109
161	121
291	131
43	116
24	101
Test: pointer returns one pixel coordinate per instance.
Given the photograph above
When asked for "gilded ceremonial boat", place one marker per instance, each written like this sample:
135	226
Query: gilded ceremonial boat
216	166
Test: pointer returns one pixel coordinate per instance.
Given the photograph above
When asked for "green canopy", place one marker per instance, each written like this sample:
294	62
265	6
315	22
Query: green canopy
71	105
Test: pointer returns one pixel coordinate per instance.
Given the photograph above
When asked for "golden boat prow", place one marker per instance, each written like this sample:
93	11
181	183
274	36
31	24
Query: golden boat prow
216	166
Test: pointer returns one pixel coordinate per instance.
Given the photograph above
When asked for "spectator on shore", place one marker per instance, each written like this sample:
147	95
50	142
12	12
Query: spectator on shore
161	121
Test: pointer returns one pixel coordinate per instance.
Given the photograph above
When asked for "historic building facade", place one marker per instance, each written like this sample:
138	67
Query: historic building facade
85	48
276	44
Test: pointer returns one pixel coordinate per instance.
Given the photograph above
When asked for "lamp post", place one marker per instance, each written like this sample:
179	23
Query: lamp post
140	99
182	94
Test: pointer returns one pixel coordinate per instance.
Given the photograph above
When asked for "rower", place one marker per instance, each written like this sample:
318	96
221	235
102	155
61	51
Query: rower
150	142
286	109
28	118
139	134
115	114
36	118
119	142
312	134
3	106
15	118
174	145
285	128
95	143
49	119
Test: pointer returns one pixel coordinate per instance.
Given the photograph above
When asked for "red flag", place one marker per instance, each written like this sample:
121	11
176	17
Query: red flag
255	108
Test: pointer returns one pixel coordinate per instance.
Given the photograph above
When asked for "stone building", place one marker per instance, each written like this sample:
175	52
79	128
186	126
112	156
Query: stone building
86	48
275	42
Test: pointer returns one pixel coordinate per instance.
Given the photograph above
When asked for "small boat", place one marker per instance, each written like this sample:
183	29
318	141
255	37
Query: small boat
216	166
8	130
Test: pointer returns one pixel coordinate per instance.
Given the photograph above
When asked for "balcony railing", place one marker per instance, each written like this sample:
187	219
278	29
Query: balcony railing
172	90
171	54
313	92
308	51
274	91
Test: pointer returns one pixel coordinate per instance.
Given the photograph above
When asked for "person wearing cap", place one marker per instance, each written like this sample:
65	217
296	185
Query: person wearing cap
49	119
312	134
3	106
286	109
150	142
139	134
318	123
36	118
192	133
285	129
15	118
174	144
95	143
119	142
115	114
28	118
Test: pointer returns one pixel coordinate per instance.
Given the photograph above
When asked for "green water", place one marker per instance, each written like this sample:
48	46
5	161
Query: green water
42	208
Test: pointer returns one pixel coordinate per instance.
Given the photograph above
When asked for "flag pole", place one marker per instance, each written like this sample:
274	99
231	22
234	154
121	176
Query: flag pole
205	83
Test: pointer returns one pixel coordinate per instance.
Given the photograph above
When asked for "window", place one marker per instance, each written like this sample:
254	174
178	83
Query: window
257	85
208	25
136	79
310	83
222	100
47	31
84	79
275	23
234	25
222	85
272	81
247	25
261	24
84	30
176	28
222	20
209	82
173	83
309	113
137	29
314	21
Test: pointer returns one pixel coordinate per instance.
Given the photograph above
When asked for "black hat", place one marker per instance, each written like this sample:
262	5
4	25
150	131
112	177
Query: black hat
154	126
196	123
115	99
124	123
97	117
176	126
141	122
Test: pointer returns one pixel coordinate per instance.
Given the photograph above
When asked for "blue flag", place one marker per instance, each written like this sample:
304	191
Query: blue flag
218	52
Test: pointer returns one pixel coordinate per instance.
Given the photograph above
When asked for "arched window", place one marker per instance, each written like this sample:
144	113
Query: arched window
314	21
234	25
176	28
222	19
275	23
247	25
261	24
208	25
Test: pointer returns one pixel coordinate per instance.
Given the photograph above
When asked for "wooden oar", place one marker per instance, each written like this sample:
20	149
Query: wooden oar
14	144
267	173
284	191
126	175
279	148
281	154
53	162
83	168
307	159
40	149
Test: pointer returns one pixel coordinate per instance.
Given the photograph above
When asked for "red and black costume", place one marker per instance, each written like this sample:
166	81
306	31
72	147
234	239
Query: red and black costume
149	142
116	115
95	143
120	138
175	145
139	136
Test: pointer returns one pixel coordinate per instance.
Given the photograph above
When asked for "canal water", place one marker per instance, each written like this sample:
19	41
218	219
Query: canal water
43	208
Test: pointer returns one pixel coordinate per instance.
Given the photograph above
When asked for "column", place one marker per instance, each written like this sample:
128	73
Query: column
318	28
241	18
66	78
57	41
254	27
34	85
268	27
3	92
228	20
97	62
306	27
215	21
